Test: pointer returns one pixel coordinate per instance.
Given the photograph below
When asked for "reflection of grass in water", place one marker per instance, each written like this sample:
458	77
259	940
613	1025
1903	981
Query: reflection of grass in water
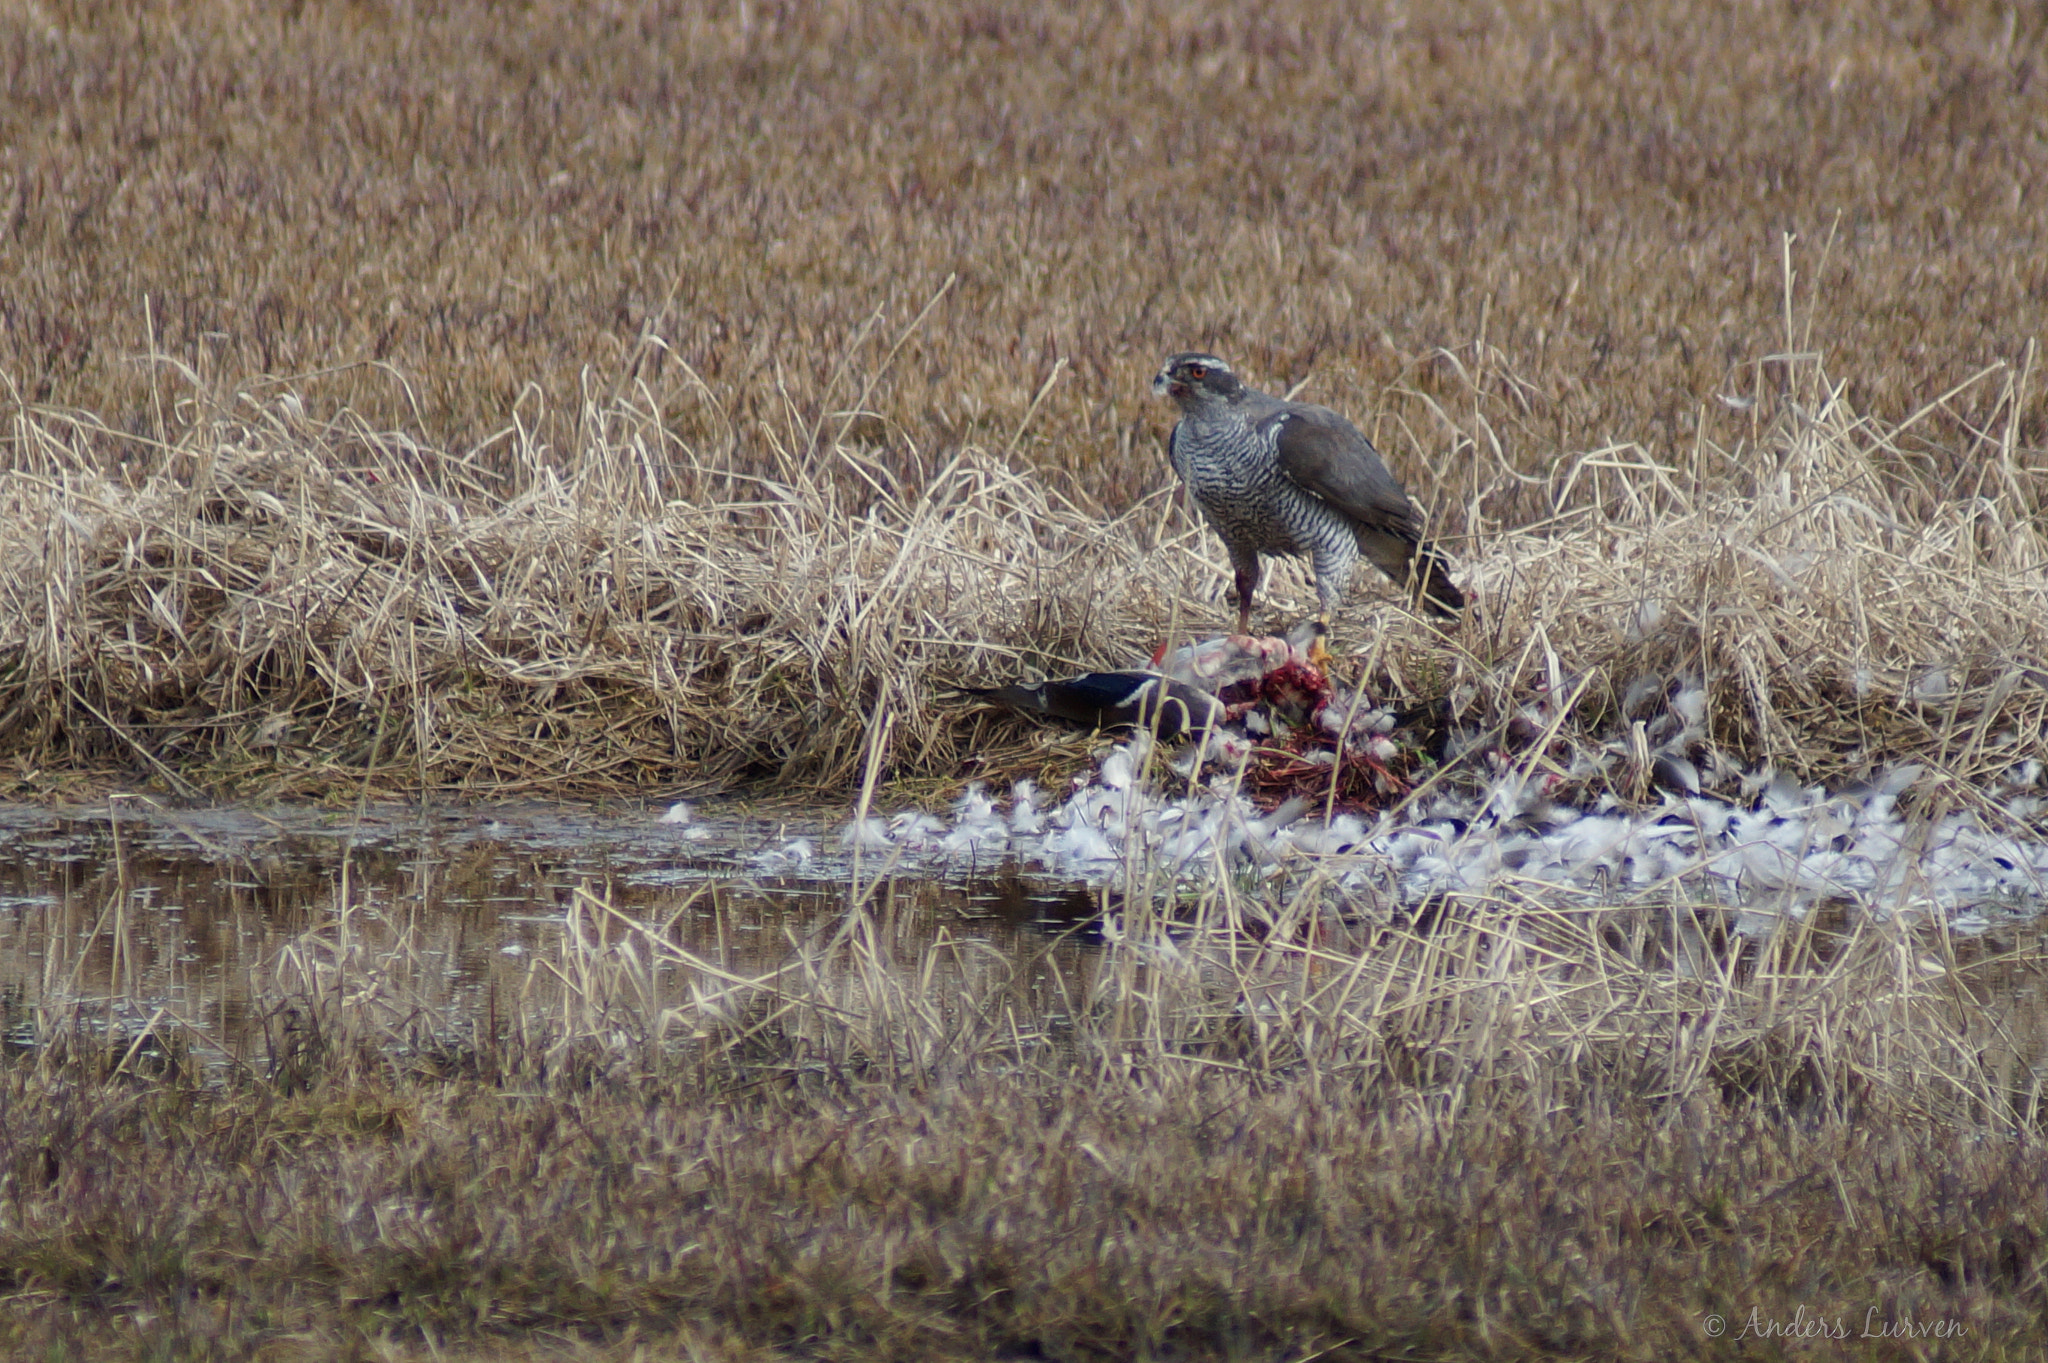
1269	1130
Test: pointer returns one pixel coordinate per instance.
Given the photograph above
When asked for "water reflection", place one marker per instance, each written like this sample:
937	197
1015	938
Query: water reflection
428	922
135	910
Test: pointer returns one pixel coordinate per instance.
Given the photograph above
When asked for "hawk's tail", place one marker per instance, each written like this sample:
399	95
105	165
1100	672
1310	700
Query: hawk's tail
1429	575
1419	568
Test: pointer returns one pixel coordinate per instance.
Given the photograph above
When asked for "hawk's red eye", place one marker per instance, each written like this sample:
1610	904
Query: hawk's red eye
1198	371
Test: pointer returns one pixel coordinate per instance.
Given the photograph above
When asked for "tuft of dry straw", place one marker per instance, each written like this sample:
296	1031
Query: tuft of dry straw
1836	609
317	605
275	603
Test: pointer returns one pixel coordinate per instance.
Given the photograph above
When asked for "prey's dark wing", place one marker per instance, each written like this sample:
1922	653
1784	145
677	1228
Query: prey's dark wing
1109	700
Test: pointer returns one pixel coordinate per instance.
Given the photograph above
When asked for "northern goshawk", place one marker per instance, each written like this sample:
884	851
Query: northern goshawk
1279	477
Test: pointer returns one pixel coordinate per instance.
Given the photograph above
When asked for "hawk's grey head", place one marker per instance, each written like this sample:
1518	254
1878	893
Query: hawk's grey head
1193	379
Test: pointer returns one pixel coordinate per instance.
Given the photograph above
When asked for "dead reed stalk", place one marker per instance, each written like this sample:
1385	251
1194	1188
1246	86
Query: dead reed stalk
275	604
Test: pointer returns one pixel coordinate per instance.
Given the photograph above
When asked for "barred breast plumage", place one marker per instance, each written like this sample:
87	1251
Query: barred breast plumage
1278	477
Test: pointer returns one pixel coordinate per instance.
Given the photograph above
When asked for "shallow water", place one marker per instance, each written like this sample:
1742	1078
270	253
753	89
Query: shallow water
135	908
134	912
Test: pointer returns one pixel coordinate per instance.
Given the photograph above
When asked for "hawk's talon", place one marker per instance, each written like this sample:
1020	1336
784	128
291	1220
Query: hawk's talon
1319	648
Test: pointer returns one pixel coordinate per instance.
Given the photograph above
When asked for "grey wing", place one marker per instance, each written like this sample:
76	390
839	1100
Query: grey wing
1323	453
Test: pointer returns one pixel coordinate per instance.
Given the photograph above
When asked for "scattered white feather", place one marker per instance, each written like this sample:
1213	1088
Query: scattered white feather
873	833
791	855
1778	849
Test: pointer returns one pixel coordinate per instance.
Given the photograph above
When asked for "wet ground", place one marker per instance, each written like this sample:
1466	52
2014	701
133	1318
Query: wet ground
137	907
134	911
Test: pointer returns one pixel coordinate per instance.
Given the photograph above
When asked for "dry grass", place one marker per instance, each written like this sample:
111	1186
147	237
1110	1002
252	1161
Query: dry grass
1499	1132
599	400
275	604
435	218
617	401
287	601
646	400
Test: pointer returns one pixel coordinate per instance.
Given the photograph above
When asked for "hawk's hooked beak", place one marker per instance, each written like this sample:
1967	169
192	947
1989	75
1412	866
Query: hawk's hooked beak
1162	387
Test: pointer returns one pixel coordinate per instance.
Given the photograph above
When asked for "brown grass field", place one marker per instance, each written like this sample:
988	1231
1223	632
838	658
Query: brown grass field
614	401
622	400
